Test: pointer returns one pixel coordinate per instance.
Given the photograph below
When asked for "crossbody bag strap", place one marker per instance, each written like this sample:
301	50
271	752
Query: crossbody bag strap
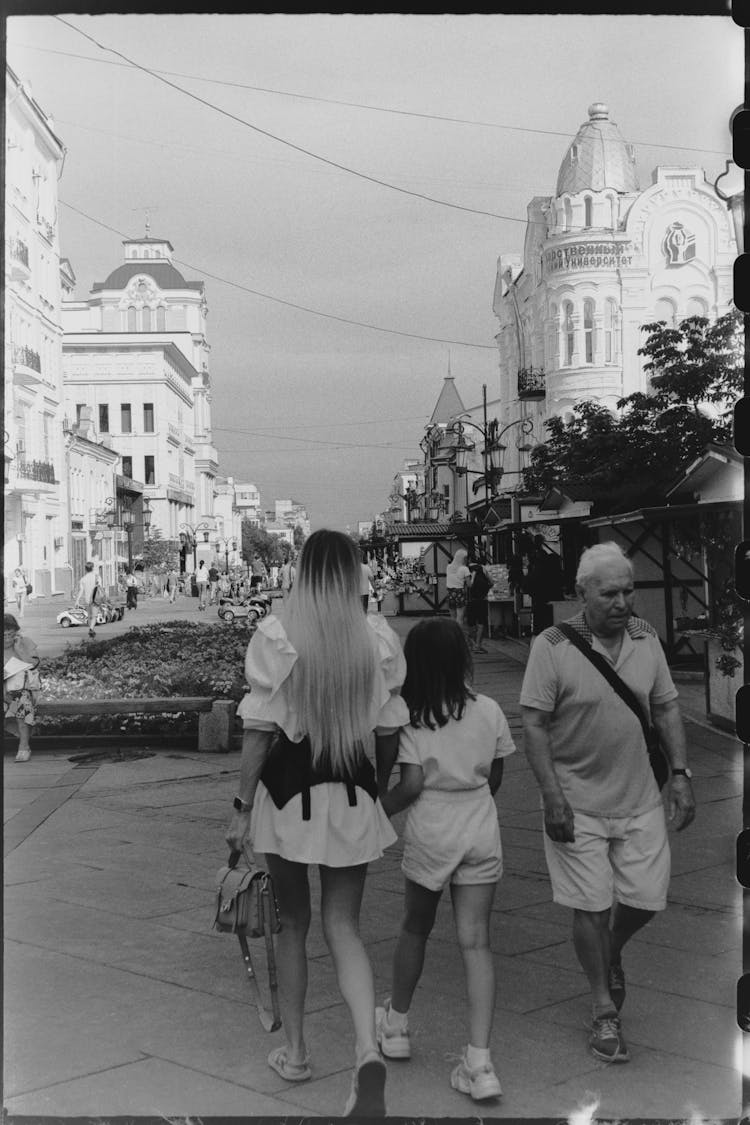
616	682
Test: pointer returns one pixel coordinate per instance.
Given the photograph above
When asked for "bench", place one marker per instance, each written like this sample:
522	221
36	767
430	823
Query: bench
215	716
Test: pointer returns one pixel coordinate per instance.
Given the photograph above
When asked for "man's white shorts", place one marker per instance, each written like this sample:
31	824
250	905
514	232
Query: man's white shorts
622	858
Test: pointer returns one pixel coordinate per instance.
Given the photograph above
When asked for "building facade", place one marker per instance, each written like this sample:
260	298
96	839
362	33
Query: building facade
601	259
136	353
36	520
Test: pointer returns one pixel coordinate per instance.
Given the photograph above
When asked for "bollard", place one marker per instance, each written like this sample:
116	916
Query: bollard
215	727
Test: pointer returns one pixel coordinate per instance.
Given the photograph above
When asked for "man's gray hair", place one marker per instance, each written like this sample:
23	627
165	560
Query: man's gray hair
593	557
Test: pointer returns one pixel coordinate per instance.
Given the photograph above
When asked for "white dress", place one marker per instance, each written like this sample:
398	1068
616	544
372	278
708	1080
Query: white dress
337	834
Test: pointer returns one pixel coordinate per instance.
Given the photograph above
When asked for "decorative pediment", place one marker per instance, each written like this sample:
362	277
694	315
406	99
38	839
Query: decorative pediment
141	291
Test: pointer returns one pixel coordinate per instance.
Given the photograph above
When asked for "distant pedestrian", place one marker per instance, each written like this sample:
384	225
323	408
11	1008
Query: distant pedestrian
457	577
365	582
213	584
19	583
258	572
451	759
322	681
477	610
173	582
201	581
89	592
544	584
287	576
131	589
20	684
225	586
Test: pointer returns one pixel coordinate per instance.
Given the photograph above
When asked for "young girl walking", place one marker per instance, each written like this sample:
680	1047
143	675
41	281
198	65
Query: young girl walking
451	764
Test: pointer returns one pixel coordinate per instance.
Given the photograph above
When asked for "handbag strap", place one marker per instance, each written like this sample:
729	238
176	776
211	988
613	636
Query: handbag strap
602	665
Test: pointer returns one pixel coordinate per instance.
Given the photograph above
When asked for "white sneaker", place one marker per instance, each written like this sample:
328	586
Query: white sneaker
394	1043
480	1083
23	755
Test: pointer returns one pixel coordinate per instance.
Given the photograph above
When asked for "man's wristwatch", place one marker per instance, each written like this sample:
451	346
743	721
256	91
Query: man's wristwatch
679	771
241	806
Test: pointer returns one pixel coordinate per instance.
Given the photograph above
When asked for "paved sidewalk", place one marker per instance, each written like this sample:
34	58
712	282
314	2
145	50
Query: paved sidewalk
119	999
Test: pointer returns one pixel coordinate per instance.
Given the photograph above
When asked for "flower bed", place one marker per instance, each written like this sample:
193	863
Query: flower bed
151	661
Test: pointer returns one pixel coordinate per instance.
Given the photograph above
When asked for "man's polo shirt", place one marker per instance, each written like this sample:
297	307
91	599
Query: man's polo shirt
598	749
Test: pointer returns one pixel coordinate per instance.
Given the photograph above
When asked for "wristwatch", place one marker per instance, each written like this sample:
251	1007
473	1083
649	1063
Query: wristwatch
240	805
679	771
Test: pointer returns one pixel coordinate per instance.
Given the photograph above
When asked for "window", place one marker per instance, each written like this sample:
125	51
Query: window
665	310
161	319
568	215
587	210
45	437
126	421
103	418
146	320
131	318
569	332
148	469
610	323
588	329
79	409
148	417
696	307
127	467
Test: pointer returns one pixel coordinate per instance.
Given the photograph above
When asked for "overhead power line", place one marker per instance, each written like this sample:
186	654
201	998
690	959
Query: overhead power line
281	301
361	105
290	144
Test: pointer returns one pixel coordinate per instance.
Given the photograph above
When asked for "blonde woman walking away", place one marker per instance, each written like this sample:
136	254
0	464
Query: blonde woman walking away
324	687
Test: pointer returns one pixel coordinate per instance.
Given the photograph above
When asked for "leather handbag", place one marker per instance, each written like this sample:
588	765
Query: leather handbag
656	756
246	906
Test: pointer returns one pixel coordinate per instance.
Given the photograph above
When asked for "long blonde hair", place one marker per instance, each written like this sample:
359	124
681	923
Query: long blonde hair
332	680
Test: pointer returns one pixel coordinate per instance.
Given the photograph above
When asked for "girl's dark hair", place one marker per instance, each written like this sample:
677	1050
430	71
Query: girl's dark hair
438	672
10	624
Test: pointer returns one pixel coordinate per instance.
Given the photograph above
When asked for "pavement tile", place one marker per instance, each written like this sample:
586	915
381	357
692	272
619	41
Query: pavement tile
131	893
713	886
700	976
151	1087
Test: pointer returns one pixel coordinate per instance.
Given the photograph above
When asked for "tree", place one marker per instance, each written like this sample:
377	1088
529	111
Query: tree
255	539
159	553
630	459
299	537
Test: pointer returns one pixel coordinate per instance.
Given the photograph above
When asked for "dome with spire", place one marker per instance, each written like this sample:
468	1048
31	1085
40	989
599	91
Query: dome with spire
598	158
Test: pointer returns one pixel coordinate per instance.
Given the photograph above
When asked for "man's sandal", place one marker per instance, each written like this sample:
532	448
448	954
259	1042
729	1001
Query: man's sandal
293	1072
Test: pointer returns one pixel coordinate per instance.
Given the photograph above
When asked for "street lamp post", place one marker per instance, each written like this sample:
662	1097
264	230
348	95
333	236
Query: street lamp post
227	548
493	448
189	533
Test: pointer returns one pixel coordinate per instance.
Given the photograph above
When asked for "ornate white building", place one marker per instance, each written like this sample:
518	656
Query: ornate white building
136	353
35	523
602	258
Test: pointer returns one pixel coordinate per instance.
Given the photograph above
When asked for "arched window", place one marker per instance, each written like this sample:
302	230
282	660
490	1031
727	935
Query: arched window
588	330
664	310
131	319
146	319
552	337
610	326
587	211
613	211
568	215
568	332
696	307
161	319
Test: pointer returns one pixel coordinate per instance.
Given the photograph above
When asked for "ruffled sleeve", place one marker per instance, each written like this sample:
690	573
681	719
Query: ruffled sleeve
269	660
389	709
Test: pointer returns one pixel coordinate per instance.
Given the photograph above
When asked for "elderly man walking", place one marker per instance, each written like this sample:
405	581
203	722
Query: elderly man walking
605	829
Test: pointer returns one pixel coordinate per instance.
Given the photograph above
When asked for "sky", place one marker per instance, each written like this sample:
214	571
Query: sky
281	194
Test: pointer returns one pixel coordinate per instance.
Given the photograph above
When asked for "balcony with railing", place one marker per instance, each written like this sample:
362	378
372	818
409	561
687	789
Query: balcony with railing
174	434
31	476
27	365
531	383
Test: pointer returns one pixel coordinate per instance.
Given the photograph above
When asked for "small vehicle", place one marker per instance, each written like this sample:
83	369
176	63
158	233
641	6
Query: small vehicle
113	611
77	616
252	608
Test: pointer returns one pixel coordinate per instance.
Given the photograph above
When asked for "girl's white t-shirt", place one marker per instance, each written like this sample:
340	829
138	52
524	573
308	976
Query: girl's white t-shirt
460	754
